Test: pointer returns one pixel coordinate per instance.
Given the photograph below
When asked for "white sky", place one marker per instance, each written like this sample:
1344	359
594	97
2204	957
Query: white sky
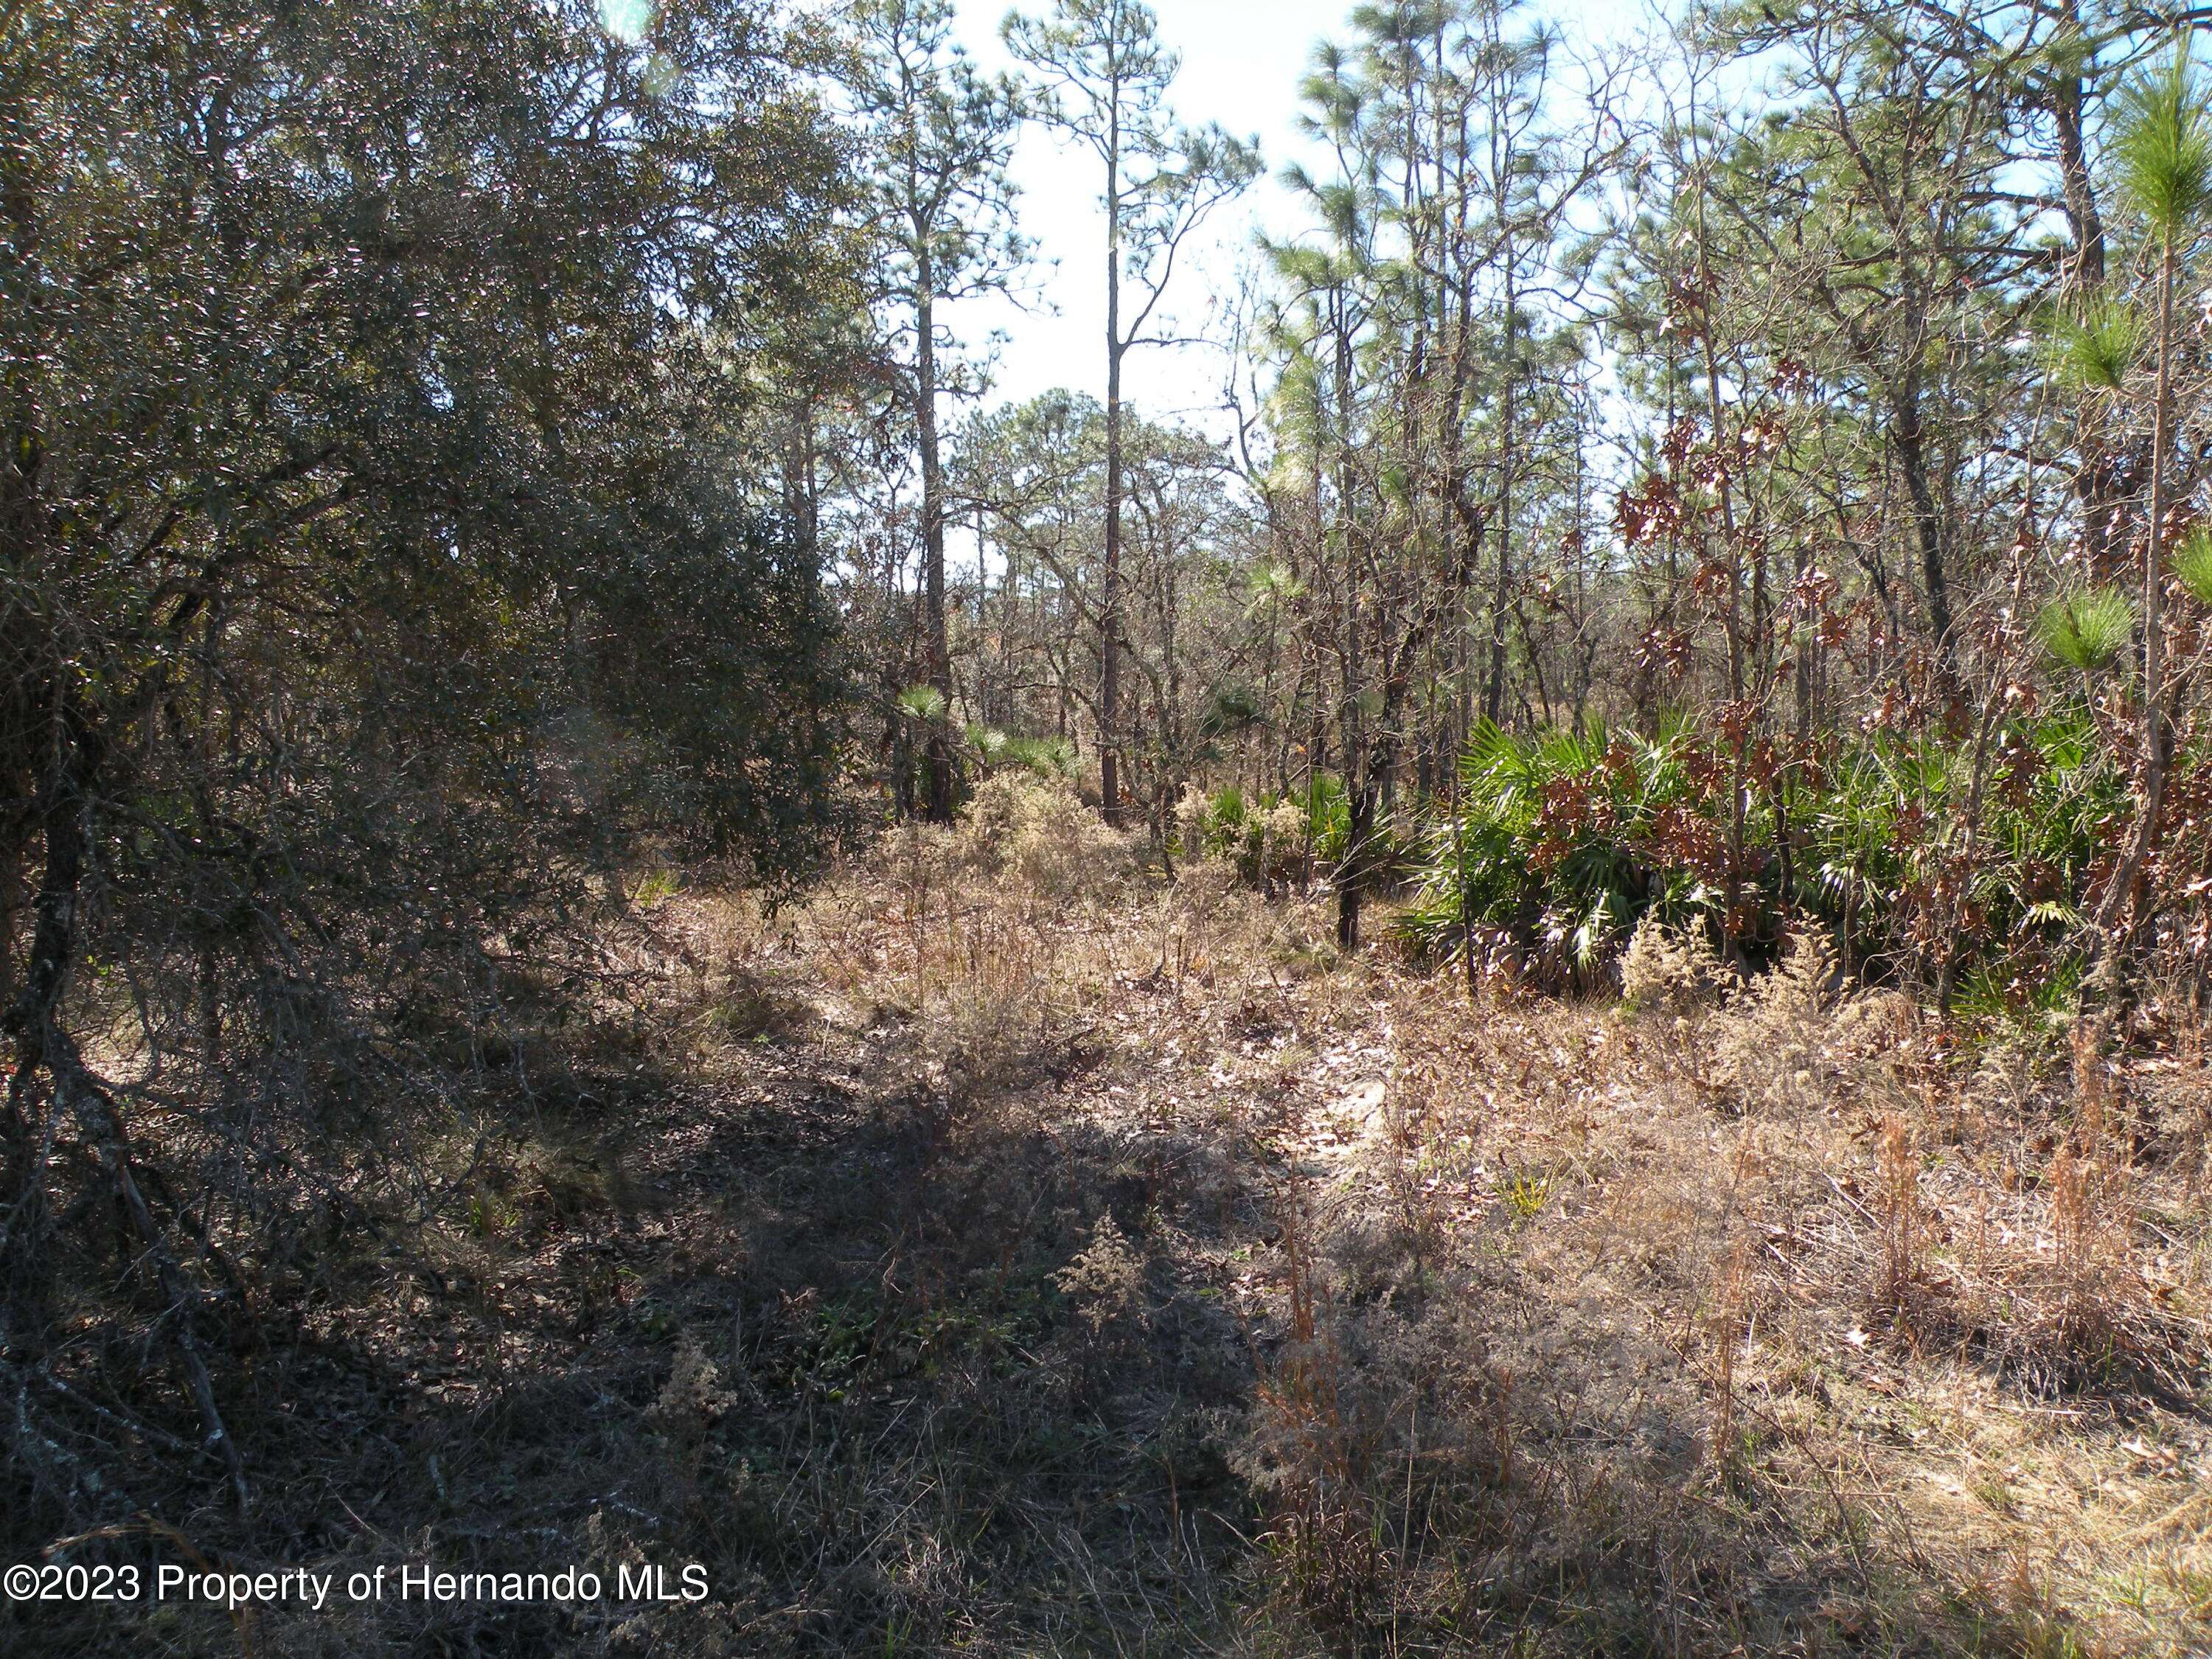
1242	64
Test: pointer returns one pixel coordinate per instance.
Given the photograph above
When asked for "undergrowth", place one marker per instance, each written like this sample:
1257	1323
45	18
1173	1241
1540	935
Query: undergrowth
1009	1251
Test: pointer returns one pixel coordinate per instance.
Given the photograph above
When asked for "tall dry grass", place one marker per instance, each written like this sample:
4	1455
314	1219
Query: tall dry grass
1011	1249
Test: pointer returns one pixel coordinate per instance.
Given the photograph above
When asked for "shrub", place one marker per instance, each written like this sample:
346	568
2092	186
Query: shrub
1038	830
1566	841
1268	842
1048	757
1328	810
1563	841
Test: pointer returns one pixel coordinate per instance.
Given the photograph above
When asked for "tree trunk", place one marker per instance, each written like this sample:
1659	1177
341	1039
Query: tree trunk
938	762
1910	439
1351	880
2123	916
1109	615
2094	479
1493	692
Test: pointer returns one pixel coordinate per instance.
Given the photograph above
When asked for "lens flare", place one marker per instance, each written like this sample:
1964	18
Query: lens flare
626	20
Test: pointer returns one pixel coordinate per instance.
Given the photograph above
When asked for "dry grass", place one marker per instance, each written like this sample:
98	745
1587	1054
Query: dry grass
1006	1252
1948	1341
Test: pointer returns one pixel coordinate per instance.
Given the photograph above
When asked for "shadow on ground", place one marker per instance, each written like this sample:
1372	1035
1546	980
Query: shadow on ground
1016	1365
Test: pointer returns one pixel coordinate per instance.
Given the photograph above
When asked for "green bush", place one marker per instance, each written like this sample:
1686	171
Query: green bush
1565	840
992	750
1268	840
1327	808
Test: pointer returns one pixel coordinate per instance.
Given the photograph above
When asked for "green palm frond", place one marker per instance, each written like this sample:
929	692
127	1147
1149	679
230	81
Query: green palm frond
1572	750
1604	923
1564	840
1224	808
1271	583
1499	775
1048	758
925	703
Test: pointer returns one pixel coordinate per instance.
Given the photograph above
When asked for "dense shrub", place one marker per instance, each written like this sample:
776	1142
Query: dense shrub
1284	840
1270	843
1568	840
391	570
1038	831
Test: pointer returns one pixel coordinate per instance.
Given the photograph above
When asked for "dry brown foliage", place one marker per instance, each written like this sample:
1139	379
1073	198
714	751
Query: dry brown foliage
984	1258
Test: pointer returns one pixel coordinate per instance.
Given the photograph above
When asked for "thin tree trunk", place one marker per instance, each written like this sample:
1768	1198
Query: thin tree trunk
1493	694
1109	618
2094	479
2126	904
938	765
1910	439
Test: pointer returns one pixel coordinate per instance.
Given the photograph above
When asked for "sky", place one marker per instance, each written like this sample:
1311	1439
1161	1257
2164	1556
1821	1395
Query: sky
1242	64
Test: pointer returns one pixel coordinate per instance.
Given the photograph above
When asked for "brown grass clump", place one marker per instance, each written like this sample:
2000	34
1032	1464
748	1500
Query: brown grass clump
1772	1050
1667	971
1915	1277
1315	1462
1902	1282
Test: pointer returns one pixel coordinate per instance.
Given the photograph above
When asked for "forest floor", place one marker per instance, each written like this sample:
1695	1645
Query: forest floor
1015	1257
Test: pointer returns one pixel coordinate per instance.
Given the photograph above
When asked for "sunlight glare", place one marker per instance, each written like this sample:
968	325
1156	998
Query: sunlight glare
626	20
